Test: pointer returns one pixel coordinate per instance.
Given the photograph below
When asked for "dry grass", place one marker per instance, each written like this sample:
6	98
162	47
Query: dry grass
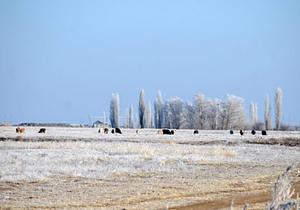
221	151
282	193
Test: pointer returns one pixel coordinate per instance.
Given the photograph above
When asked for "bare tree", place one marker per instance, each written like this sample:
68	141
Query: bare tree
268	120
114	110
278	108
142	109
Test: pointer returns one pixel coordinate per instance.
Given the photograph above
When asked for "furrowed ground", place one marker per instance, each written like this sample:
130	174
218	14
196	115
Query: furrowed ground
80	168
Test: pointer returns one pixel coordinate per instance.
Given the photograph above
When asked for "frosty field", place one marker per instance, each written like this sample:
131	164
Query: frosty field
80	168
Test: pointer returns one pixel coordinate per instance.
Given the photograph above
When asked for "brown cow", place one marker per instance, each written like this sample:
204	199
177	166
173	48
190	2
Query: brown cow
20	130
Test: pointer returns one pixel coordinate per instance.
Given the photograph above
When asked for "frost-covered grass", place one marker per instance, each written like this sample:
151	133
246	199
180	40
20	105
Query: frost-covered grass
97	155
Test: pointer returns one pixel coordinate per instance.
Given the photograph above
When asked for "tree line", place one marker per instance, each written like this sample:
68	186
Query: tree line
201	113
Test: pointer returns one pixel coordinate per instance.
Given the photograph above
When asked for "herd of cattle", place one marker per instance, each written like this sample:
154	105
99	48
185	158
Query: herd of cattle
162	131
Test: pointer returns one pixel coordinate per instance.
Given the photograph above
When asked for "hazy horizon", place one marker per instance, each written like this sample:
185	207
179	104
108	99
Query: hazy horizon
60	61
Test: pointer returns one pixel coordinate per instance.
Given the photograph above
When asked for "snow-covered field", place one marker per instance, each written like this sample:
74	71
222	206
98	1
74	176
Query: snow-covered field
133	169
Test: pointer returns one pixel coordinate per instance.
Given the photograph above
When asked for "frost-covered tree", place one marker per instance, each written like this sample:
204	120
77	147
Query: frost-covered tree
268	120
175	110
166	121
222	115
158	110
200	106
129	118
142	109
211	112
278	108
188	117
148	118
114	110
253	114
235	114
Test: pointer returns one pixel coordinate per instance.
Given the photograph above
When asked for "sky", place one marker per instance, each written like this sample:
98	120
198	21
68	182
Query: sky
61	60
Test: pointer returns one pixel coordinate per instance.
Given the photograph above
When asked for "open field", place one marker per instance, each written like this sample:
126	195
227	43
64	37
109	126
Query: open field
80	168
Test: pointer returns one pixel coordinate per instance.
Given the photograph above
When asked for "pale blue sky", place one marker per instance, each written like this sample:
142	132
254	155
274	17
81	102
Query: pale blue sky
61	60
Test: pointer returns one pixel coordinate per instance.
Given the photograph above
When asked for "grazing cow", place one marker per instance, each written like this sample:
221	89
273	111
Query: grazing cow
196	132
241	132
106	130
168	132
264	132
20	130
231	132
253	132
118	130
42	130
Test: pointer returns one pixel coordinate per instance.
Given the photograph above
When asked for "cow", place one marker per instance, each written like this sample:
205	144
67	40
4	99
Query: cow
106	130
112	130
118	130
42	130
253	132
196	132
231	132
167	132
20	130
264	132
241	132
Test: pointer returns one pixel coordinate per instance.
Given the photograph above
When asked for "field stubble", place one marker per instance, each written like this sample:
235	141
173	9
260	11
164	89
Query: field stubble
79	168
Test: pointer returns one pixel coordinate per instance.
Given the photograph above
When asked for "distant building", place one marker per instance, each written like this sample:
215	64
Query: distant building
99	124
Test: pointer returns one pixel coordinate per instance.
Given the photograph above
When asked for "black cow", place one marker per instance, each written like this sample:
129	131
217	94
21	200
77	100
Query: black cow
253	132
241	132
42	130
231	132
196	132
264	132
112	130
167	132
106	130
118	130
